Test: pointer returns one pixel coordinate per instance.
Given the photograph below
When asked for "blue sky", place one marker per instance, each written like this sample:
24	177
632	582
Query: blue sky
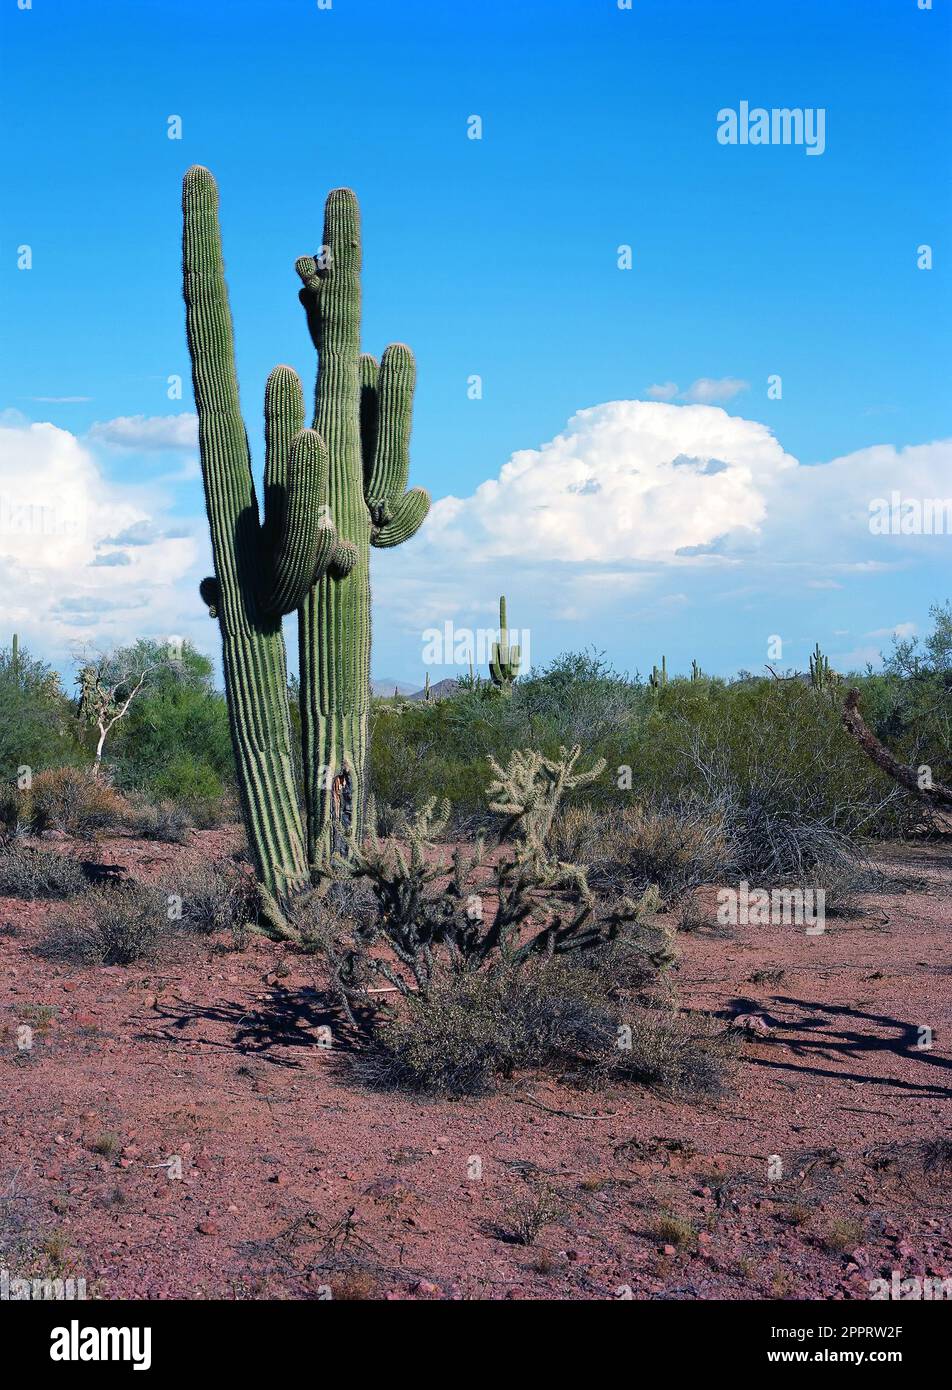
498	257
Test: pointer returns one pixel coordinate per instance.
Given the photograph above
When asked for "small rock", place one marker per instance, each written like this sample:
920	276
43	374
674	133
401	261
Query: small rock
207	1228
754	1024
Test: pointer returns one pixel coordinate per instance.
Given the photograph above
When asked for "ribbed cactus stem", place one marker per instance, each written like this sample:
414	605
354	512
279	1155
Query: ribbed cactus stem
252	646
363	414
505	660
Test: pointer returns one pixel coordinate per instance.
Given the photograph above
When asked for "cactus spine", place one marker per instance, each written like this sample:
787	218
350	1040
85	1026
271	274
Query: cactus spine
311	552
505	660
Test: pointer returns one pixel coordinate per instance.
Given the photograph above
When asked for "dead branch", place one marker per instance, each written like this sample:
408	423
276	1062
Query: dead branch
935	795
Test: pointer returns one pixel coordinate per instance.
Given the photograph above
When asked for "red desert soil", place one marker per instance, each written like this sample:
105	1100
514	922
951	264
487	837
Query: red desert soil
295	1181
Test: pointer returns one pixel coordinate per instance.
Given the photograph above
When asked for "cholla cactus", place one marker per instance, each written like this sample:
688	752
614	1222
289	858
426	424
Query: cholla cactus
330	493
505	660
529	790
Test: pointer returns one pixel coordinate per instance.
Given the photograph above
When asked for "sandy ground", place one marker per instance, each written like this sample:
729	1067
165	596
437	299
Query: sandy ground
294	1182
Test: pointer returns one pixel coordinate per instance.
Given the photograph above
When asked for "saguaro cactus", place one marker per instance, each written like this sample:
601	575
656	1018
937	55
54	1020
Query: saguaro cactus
505	660
330	492
822	676
363	414
658	679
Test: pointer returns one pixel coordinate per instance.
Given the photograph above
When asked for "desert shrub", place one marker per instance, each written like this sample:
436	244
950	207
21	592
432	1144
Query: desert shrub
630	847
536	1209
187	781
164	821
109	926
36	873
11	806
843	879
213	812
471	1030
935	1156
216	897
681	1054
474	1030
74	801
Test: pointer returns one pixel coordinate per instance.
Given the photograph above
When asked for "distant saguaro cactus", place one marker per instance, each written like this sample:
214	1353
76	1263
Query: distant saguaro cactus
330	493
822	677
505	660
659	676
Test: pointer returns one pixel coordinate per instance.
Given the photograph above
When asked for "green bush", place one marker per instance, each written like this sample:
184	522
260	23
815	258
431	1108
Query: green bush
38	727
175	741
729	749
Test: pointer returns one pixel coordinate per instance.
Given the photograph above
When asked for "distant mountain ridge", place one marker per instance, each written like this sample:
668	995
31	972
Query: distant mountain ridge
439	691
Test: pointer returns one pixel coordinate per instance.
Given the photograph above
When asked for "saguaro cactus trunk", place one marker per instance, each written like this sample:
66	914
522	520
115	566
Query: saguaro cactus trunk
330	492
363	414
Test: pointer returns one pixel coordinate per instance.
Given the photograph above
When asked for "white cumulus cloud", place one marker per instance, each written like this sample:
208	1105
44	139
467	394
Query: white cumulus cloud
80	556
628	481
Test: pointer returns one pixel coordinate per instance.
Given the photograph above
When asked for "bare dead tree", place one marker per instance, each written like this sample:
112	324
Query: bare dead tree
935	793
108	683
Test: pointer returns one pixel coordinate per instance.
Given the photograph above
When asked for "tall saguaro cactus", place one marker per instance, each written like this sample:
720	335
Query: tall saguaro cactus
505	660
330	492
363	414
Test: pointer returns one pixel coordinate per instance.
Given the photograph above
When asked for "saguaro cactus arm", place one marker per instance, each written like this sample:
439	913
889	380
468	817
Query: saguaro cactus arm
386	413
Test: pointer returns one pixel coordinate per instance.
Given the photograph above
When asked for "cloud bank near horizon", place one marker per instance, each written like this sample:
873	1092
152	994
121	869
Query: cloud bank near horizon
635	502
